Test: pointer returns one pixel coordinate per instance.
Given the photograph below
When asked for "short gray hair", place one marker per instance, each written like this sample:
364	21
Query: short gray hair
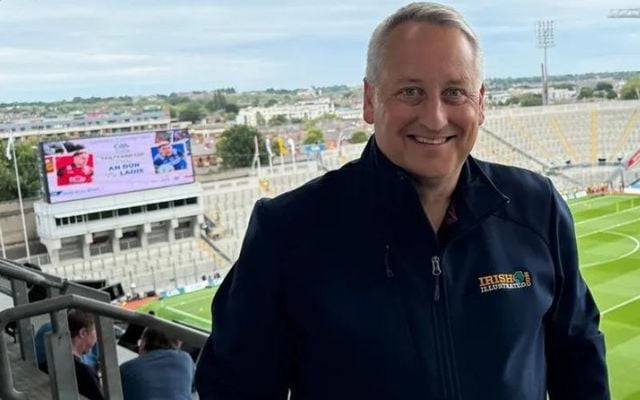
432	13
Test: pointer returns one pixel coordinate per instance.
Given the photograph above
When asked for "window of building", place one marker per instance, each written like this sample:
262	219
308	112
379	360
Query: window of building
106	214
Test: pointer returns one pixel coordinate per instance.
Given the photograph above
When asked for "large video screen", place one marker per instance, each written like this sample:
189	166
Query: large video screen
100	166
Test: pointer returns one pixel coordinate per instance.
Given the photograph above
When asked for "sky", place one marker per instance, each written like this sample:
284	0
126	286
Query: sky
59	49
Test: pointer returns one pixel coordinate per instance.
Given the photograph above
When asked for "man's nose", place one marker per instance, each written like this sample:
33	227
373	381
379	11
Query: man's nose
433	114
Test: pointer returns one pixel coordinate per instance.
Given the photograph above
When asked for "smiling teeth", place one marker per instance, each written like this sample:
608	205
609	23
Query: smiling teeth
430	141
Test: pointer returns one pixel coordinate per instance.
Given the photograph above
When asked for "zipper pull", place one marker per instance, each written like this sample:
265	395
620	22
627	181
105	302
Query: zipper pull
436	271
387	249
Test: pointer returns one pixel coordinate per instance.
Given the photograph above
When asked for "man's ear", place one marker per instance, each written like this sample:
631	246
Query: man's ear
481	104
368	102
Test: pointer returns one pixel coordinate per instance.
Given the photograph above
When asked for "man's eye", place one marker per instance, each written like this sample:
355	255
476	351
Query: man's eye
453	92
410	95
411	92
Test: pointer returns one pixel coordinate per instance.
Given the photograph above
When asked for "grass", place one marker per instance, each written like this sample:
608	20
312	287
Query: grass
608	232
192	309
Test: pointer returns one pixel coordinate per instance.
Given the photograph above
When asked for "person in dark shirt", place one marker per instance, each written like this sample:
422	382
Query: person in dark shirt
83	337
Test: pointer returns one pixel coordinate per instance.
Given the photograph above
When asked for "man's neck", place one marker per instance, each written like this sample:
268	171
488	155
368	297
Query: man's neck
75	349
435	196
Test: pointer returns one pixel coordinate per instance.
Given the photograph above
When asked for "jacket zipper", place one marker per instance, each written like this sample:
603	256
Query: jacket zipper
436	271
449	372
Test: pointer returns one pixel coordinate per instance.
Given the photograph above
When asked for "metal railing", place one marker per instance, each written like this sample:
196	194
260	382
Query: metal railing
62	295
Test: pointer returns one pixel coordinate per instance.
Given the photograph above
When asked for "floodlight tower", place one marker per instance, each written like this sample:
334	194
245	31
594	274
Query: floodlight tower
544	33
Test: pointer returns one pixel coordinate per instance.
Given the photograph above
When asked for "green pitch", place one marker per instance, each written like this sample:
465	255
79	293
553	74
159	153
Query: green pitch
192	309
608	232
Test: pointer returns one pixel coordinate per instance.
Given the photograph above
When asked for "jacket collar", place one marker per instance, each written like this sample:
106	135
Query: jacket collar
476	195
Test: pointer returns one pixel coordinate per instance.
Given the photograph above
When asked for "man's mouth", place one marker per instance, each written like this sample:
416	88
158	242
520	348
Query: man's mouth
432	141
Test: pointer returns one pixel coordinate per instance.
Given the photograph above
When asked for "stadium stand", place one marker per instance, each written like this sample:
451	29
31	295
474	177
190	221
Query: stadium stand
577	145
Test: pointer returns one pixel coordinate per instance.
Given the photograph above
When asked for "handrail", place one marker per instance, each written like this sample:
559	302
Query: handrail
217	249
7	391
13	270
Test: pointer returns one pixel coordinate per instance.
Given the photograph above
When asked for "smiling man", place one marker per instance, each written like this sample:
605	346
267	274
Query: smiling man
426	103
416	272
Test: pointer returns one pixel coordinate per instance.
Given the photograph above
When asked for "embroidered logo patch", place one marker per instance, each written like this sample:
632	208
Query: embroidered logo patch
516	280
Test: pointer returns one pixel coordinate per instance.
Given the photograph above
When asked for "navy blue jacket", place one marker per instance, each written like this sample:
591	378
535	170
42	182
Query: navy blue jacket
342	290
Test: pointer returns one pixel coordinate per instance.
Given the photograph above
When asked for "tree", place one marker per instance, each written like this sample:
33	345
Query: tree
604	86
314	135
359	137
611	94
260	119
271	102
28	168
530	99
175	99
236	146
512	100
569	86
218	102
631	89
231	108
585	93
278	120
192	112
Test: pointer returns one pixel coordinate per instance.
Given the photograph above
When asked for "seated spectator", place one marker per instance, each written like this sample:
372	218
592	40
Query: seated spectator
83	337
162	371
91	358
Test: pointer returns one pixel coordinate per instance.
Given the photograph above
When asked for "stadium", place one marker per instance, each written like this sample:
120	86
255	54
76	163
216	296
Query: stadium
136	220
164	245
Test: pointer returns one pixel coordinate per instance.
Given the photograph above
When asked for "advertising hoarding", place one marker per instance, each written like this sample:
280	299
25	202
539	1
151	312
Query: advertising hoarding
84	168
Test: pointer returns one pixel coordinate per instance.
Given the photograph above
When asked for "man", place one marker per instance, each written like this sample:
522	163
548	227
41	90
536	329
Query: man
432	276
82	329
78	171
162	371
167	160
90	358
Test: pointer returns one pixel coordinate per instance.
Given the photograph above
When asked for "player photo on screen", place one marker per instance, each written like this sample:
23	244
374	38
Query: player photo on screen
75	168
168	157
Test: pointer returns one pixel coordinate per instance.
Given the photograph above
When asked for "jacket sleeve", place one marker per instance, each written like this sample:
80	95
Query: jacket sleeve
575	349
246	356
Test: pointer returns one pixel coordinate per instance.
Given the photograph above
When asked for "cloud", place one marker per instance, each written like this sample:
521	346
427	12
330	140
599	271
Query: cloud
80	47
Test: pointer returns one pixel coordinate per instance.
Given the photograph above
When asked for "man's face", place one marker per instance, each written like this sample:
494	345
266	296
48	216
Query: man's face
89	338
80	160
427	103
166	150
